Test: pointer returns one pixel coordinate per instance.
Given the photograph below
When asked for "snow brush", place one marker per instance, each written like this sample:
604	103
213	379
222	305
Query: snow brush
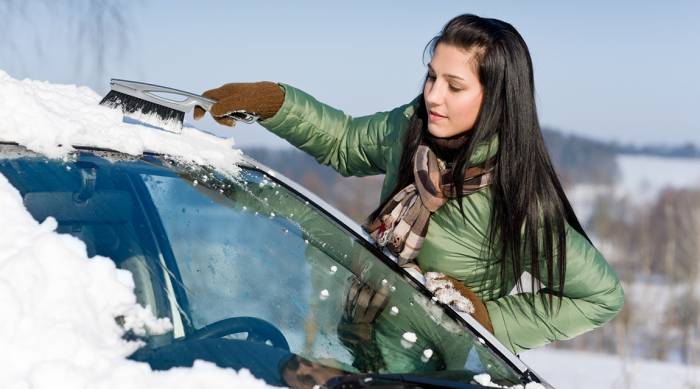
161	106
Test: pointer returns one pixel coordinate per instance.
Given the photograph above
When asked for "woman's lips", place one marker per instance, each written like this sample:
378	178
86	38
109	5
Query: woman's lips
434	116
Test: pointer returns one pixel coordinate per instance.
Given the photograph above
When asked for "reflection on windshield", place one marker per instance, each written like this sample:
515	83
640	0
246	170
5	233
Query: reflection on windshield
251	274
256	249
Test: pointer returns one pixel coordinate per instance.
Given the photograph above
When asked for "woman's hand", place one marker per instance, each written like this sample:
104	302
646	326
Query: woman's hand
262	98
363	305
450	291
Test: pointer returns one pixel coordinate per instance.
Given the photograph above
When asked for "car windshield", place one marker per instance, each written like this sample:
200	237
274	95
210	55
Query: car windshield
250	273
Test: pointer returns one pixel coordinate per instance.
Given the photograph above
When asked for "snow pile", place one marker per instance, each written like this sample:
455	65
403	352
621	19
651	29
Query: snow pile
485	380
58	325
49	118
445	292
580	370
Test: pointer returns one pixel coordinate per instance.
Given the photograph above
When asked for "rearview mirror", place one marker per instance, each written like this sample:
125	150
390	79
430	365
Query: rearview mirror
109	206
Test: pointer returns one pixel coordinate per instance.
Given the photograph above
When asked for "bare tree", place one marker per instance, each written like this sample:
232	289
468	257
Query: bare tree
97	30
656	249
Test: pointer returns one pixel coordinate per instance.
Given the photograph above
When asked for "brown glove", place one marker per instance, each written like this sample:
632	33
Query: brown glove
363	305
450	291
262	98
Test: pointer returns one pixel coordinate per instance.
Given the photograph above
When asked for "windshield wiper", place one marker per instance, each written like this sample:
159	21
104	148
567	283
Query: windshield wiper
386	381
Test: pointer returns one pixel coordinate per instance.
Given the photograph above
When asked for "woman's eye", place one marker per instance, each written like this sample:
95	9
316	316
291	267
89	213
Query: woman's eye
455	88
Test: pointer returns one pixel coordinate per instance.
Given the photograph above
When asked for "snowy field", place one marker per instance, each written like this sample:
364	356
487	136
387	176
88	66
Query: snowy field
580	370
642	179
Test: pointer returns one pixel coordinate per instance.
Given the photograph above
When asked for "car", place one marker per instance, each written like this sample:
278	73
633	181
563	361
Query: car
255	272
245	268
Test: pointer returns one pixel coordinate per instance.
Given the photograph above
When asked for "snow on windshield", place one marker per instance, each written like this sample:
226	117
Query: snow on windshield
49	118
58	326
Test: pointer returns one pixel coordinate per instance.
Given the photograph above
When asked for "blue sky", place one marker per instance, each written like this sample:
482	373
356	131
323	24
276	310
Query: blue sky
625	70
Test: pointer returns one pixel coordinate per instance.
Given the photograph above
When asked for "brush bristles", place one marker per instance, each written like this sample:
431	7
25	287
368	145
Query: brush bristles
155	114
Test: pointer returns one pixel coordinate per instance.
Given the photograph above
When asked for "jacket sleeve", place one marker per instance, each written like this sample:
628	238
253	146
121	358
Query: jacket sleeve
352	146
592	296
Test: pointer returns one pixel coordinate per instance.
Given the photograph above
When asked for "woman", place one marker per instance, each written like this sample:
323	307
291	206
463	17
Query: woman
474	125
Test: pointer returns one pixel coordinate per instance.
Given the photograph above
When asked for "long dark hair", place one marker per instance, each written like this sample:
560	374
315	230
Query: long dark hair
530	209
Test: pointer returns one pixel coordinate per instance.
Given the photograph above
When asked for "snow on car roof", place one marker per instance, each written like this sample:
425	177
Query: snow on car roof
50	118
58	326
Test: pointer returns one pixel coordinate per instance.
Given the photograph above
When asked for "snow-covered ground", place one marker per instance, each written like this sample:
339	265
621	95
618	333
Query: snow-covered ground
580	370
642	179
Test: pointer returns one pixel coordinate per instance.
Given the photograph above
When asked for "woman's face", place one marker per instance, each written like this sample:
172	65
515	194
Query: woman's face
452	91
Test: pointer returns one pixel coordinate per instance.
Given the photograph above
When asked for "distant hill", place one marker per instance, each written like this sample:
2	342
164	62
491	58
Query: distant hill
687	150
579	159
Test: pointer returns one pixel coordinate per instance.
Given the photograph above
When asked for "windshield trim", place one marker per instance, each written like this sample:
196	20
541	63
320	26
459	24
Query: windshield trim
387	258
476	328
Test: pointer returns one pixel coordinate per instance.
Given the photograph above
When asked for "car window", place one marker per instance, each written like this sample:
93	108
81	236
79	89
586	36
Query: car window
205	249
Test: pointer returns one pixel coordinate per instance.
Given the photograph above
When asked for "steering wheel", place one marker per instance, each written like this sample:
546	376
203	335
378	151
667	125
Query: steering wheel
258	330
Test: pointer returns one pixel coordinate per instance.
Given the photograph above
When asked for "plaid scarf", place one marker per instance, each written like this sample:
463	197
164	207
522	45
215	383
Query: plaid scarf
402	223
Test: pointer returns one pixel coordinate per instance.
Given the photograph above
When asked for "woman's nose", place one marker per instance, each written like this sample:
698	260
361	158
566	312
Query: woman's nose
433	94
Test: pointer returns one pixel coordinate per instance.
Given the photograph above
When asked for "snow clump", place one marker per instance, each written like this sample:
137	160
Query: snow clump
485	380
50	119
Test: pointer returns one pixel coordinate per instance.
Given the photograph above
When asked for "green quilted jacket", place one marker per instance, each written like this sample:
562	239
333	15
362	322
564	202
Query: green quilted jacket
372	145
